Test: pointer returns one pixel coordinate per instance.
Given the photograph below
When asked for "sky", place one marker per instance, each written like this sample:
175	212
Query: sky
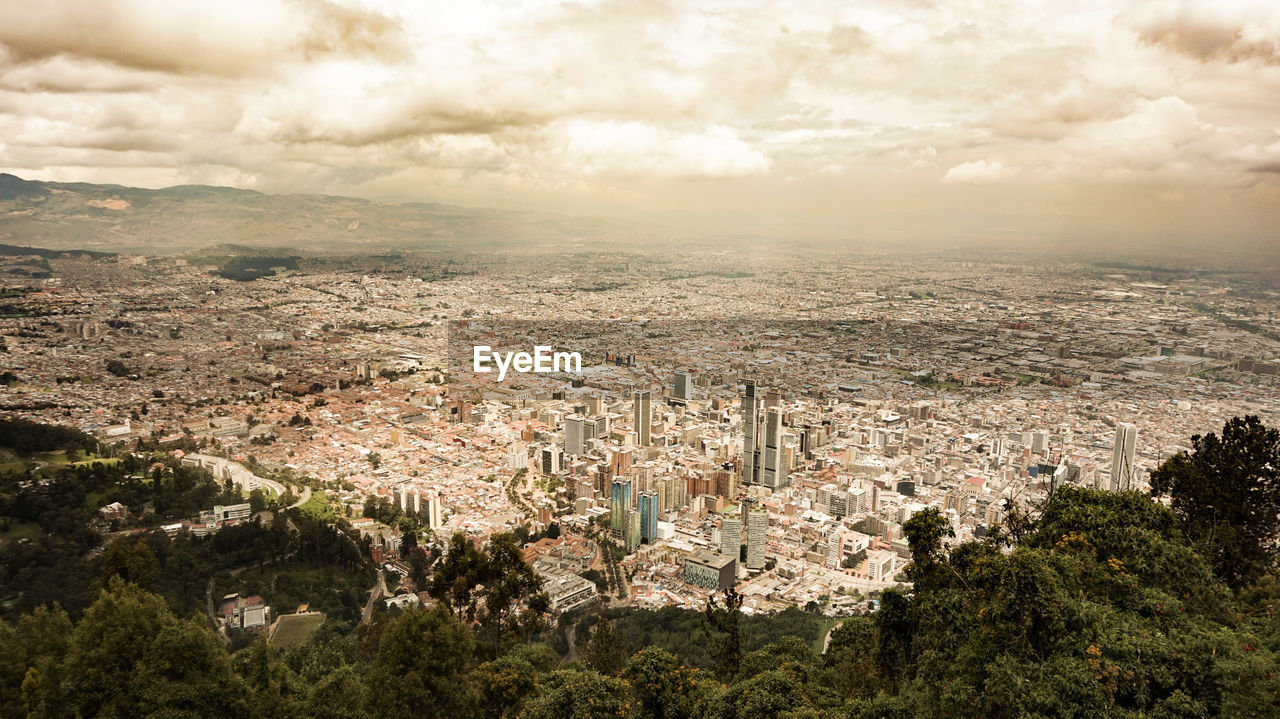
896	120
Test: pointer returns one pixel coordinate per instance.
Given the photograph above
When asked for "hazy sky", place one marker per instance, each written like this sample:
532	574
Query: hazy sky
956	118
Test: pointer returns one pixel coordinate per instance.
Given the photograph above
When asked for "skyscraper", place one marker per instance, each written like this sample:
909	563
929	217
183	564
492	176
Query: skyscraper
730	536
757	526
631	530
773	461
648	517
1122	457
620	502
683	385
435	513
574	434
640	416
550	461
749	428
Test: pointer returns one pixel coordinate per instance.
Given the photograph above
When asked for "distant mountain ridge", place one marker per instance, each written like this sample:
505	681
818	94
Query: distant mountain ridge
115	218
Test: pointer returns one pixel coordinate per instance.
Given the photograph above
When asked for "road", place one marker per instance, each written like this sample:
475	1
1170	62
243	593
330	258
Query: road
379	590
306	494
826	641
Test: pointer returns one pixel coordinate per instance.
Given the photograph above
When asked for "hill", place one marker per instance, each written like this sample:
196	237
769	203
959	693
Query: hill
113	218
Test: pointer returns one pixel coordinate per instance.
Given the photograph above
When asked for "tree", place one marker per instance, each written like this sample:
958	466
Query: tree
1226	492
576	694
849	658
664	688
722	628
257	501
31	655
457	576
603	653
109	644
340	694
186	673
422	667
509	584
131	559
117	368
491	587
509	681
409	535
926	532
274	690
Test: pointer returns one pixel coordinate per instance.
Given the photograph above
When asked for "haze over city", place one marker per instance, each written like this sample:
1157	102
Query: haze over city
1090	123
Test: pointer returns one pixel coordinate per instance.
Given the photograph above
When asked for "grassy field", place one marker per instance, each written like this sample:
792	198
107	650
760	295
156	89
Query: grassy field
827	624
294	629
20	530
12	463
318	506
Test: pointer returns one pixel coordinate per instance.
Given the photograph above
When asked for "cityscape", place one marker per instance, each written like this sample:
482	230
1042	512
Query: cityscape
780	455
583	359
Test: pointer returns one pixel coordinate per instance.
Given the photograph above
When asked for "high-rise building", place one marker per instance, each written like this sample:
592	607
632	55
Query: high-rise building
574	435
641	416
757	533
673	493
1122	455
549	463
683	385
730	536
435	513
631	535
838	503
773	459
648	517
620	502
835	547
621	461
1039	441
750	427
726	483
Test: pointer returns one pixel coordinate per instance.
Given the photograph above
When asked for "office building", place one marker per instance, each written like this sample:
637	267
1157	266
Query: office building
749	432
435	512
549	461
730	536
574	435
1122	455
641	416
710	571
773	459
621	502
881	565
757	534
648	516
631	535
683	385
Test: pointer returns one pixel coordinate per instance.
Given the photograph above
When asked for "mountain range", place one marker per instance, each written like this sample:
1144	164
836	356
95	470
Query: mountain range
114	218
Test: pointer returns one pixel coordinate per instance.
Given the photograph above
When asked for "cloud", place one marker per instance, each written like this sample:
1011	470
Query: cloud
1214	31
978	172
228	37
769	106
631	148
